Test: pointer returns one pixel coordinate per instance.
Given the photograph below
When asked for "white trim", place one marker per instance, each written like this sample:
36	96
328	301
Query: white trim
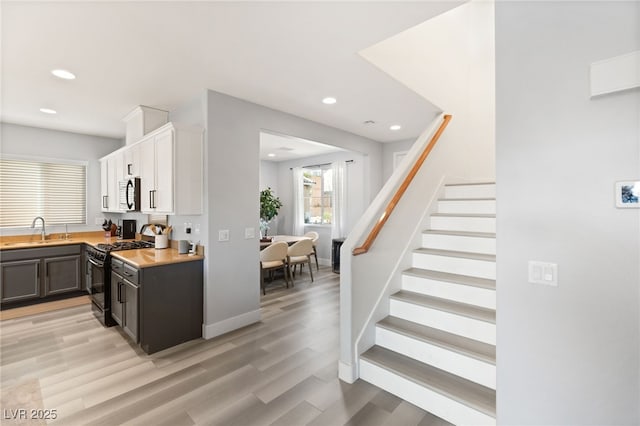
210	331
398	156
615	74
347	372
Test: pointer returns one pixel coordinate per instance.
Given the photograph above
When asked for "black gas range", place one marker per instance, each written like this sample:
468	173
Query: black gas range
99	275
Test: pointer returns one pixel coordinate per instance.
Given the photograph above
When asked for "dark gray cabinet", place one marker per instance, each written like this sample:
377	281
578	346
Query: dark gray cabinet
62	274
116	305
20	280
130	301
124	297
39	273
158	306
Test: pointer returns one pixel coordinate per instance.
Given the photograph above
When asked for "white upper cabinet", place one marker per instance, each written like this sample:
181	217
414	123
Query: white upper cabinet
131	161
163	197
169	162
104	185
110	176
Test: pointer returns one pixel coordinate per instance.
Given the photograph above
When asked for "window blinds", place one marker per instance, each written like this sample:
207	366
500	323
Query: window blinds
55	191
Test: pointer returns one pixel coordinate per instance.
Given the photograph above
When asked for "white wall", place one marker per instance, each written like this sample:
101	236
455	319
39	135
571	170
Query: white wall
233	144
55	144
269	176
568	354
449	60
388	149
356	202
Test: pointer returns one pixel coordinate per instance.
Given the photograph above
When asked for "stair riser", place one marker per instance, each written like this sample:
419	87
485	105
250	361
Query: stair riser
468	224
444	359
467	206
456	324
470	191
459	243
483	297
455	265
438	404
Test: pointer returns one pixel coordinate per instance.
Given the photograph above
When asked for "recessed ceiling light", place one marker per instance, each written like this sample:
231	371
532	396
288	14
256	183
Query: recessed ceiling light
271	154
64	74
48	111
395	127
368	122
329	101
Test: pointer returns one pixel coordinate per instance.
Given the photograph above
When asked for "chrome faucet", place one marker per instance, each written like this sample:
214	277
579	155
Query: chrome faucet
33	225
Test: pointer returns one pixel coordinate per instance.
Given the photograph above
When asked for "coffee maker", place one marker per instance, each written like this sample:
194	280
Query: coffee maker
126	229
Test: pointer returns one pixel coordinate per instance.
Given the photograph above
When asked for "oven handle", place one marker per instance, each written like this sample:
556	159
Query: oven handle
93	262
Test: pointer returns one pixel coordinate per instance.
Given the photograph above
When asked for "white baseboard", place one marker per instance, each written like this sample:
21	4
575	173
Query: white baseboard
347	372
210	331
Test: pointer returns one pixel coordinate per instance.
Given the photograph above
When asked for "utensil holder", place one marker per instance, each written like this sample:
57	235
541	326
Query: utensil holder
162	241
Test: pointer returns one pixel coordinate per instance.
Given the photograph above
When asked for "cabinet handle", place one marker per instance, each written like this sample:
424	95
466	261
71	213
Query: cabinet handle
129	169
119	293
47	271
37	271
123	295
153	205
104	201
150	201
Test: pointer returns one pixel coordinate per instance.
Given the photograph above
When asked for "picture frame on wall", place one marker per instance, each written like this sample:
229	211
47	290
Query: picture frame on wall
628	194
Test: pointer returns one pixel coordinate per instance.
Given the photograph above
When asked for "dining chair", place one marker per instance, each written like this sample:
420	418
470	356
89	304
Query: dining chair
273	258
314	236
299	254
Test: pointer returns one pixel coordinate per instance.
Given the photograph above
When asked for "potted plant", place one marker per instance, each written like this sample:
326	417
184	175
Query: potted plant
269	206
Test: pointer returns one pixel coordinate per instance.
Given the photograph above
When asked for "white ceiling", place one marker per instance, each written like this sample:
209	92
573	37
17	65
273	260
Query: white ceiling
283	55
285	147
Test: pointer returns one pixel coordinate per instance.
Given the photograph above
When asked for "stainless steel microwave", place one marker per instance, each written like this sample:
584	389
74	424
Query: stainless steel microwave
129	191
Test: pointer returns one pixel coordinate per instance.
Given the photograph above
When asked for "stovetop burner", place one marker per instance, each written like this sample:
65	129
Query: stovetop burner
125	245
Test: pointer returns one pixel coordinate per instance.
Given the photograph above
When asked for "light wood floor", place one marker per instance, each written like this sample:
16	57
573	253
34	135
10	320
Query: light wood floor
281	371
39	308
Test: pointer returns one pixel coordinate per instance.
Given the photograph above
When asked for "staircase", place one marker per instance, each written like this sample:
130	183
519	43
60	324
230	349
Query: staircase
436	349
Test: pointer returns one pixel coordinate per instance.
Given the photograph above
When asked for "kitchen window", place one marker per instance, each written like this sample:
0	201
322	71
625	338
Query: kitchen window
317	194
52	189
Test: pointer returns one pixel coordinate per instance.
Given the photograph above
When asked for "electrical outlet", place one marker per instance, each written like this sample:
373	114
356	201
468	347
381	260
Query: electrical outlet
223	235
249	233
197	229
187	228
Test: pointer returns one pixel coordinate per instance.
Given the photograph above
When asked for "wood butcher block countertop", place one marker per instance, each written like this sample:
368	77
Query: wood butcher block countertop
141	258
144	258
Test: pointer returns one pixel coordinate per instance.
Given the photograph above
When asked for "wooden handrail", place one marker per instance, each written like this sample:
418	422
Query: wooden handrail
401	190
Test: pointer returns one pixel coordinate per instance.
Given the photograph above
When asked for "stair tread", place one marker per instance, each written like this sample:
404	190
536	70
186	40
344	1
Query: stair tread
457	388
479	215
451	278
470	183
461	233
461	254
453	342
457	308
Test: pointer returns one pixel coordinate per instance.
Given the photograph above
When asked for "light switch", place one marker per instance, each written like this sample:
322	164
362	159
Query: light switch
223	235
543	273
249	233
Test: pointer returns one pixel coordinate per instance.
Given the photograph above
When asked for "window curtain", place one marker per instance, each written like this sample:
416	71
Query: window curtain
298	201
339	200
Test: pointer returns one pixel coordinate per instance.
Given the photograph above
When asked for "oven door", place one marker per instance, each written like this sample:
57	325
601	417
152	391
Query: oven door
96	283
